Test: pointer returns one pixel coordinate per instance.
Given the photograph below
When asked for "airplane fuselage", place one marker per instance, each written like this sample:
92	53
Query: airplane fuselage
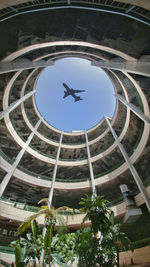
71	92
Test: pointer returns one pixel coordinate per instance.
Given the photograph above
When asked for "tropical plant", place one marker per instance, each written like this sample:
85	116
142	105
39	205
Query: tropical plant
98	245
102	243
51	217
88	248
50	213
27	249
96	211
115	241
64	248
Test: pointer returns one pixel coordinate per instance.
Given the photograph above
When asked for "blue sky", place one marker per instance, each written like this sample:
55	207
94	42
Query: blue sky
79	74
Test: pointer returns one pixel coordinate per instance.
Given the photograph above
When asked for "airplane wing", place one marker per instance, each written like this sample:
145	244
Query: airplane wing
78	91
66	86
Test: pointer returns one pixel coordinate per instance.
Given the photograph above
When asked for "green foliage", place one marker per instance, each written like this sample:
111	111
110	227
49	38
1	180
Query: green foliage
48	234
37	246
101	243
64	247
97	212
20	254
95	246
49	212
28	247
88	248
34	229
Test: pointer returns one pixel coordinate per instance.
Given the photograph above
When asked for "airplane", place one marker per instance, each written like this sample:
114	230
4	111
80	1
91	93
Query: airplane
72	92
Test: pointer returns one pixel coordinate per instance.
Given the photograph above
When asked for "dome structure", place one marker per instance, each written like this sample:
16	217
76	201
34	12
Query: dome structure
112	35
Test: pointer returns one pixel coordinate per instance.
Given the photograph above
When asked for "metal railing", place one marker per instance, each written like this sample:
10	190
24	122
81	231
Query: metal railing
7	250
24	206
20	205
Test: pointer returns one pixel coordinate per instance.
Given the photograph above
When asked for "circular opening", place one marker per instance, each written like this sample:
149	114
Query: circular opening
69	110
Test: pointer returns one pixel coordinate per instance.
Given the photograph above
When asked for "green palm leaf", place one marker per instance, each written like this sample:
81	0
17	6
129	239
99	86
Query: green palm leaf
20	253
43	200
48	236
28	221
34	229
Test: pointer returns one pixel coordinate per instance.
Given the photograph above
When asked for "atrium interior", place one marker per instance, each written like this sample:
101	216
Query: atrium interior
38	160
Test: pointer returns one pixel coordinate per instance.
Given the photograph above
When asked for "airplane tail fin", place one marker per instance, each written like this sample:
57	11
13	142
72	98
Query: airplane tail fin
65	94
78	99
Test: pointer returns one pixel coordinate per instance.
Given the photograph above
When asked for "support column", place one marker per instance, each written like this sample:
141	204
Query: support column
90	166
16	104
132	107
131	167
8	176
55	171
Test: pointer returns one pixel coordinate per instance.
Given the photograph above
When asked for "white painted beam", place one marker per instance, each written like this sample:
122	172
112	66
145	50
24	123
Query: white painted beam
90	166
134	109
55	170
8	176
16	104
